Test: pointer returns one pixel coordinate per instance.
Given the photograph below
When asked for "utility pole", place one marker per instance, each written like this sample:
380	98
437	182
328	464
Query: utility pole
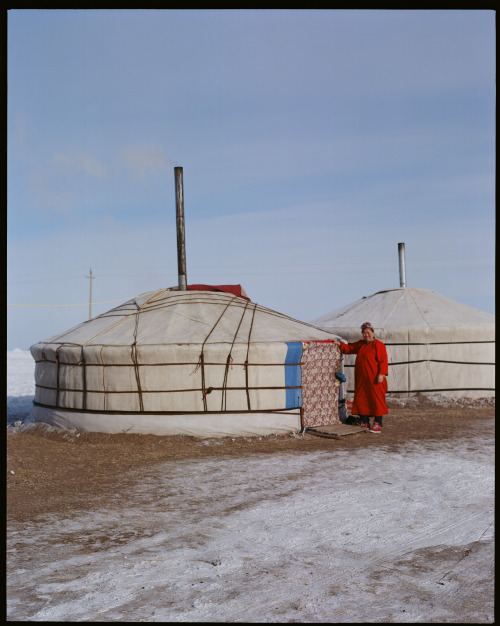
90	297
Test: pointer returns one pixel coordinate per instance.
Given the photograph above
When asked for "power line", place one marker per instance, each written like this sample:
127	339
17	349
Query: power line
86	303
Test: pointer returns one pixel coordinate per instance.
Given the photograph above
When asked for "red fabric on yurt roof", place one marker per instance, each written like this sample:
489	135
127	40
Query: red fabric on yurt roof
236	290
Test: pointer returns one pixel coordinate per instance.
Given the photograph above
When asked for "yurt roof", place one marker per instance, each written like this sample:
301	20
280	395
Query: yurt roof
404	307
193	316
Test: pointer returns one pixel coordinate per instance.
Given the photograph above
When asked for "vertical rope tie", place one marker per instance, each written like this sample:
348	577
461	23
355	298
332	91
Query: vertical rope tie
204	391
134	356
246	366
137	376
103	377
57	377
229	362
84	379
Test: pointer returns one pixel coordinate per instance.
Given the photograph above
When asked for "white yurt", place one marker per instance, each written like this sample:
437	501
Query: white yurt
203	361
434	344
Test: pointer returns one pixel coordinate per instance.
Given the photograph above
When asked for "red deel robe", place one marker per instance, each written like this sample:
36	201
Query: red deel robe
371	360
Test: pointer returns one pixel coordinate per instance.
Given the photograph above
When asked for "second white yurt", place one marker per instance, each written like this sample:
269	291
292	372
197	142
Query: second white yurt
204	361
434	344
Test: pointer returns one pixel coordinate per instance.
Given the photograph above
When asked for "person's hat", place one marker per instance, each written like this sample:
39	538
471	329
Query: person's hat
366	325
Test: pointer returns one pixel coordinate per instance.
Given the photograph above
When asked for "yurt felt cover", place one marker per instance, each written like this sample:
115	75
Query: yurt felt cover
434	344
176	352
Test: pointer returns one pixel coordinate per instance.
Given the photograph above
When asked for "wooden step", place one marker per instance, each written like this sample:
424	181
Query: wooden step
335	431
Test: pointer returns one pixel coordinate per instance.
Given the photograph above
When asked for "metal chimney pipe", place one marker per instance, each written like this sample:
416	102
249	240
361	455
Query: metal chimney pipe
181	243
402	269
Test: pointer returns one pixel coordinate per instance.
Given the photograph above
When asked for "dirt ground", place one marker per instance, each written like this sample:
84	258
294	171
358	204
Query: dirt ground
59	471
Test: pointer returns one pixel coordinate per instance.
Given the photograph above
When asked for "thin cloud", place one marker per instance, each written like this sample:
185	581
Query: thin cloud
57	186
48	195
76	162
145	160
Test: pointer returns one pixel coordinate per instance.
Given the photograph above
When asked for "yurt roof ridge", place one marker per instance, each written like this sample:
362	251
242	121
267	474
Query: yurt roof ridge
138	308
158	300
206	297
404	289
423	302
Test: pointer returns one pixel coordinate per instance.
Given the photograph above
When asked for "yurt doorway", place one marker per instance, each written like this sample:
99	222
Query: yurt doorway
320	387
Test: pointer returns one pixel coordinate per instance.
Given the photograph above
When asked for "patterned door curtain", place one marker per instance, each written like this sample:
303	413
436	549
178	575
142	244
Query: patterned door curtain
320	387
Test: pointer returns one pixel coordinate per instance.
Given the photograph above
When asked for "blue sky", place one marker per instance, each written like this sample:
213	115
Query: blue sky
312	142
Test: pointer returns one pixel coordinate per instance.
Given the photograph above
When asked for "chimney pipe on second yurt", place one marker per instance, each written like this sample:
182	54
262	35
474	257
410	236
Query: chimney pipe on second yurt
402	268
181	244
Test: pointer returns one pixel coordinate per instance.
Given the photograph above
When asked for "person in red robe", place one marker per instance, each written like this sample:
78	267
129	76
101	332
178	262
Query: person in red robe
370	371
